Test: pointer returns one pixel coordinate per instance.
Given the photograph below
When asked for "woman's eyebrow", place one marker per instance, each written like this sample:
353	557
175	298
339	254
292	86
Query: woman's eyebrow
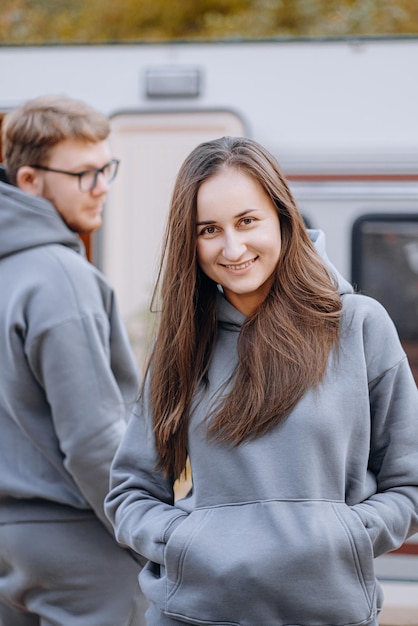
241	214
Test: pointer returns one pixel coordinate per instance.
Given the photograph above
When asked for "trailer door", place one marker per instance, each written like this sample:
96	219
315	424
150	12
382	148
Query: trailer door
151	147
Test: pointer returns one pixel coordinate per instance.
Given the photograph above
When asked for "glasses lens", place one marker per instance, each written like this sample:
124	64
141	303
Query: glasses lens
110	170
88	180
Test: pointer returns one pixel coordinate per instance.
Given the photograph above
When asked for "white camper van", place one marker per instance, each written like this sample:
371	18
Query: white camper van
340	116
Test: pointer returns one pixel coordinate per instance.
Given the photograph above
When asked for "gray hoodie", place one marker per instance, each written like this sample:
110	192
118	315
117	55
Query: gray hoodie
67	372
283	529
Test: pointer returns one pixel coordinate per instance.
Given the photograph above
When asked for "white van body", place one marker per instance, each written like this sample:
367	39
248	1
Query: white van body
340	116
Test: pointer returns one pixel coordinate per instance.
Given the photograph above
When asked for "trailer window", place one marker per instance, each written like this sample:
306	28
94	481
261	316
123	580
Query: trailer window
385	266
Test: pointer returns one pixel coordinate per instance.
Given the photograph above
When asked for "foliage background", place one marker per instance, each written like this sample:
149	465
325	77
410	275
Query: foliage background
73	21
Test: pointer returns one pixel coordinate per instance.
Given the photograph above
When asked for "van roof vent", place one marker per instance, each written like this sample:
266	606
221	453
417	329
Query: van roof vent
172	82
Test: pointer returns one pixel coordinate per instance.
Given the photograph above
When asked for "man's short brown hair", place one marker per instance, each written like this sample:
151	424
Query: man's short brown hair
32	129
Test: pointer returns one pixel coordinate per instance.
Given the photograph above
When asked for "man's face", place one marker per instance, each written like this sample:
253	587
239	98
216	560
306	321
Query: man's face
81	210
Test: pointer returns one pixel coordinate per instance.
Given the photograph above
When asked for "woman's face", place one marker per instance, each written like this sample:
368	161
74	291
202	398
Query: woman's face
238	237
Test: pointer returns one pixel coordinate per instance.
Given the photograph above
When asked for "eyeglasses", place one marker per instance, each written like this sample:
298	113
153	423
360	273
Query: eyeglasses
87	180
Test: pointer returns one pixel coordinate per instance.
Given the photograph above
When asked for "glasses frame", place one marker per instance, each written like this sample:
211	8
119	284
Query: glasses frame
79	175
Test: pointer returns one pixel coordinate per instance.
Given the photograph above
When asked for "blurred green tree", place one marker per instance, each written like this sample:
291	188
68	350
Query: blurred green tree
37	21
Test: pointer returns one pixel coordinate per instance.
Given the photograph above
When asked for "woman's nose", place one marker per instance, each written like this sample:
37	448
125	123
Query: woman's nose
233	246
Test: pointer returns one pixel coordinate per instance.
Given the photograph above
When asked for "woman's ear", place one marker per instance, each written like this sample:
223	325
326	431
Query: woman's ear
29	179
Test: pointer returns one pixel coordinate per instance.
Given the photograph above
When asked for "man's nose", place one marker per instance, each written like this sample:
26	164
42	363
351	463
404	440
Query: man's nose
102	185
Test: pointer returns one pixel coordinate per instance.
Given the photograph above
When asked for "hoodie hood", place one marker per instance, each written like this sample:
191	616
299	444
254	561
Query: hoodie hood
318	239
231	319
28	221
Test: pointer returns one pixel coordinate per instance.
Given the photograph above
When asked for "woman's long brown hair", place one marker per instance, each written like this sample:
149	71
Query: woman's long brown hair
284	346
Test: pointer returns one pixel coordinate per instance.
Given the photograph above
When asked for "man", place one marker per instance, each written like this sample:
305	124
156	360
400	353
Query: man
67	377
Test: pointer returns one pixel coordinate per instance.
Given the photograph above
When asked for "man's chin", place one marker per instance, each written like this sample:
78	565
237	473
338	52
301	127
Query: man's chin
86	229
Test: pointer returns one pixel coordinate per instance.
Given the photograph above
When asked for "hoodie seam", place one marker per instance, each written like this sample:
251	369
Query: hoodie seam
267	500
380	376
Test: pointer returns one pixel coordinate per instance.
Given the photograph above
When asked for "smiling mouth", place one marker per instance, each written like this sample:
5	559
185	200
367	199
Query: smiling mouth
241	266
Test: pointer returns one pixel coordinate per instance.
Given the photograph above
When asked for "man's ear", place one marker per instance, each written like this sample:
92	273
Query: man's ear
29	180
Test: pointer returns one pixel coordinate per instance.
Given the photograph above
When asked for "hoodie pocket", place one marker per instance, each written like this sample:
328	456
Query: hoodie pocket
300	563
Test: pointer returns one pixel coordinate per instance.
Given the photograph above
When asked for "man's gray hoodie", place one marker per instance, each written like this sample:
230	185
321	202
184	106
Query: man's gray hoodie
67	372
283	529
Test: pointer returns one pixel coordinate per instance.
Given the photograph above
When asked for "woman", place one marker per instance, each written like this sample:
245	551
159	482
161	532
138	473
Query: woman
300	423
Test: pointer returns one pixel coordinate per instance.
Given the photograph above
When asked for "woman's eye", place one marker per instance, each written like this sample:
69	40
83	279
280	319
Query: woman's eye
247	220
209	230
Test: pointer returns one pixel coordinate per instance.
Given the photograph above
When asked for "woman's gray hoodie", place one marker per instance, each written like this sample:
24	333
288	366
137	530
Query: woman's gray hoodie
283	529
67	372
